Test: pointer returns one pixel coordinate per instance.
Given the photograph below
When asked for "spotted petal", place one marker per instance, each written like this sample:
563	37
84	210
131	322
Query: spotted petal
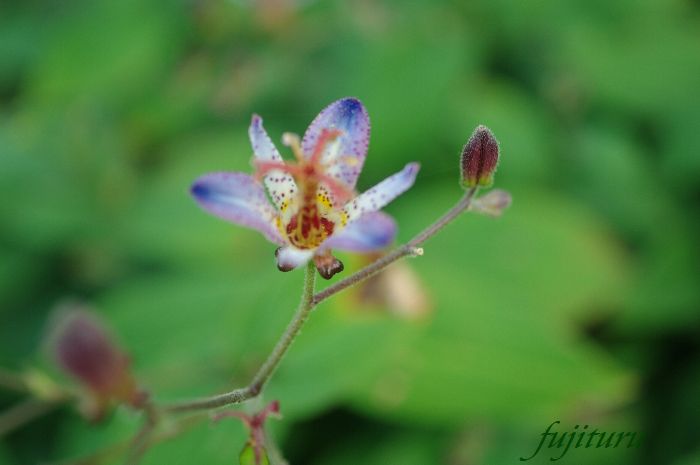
280	185
238	198
344	156
371	231
381	194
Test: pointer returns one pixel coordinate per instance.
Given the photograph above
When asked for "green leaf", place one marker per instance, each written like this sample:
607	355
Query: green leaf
248	456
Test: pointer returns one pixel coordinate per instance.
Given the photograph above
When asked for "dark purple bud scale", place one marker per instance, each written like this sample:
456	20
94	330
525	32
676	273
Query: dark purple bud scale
479	158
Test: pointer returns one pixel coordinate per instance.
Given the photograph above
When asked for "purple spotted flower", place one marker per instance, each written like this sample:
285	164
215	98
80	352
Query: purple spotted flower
309	207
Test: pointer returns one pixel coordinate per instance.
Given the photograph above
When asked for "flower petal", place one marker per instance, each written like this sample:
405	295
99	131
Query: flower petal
239	198
381	194
263	147
371	231
280	185
344	156
289	257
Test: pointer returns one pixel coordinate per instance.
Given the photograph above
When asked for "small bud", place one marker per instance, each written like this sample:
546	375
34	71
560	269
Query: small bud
85	350
417	251
253	452
479	158
493	203
327	265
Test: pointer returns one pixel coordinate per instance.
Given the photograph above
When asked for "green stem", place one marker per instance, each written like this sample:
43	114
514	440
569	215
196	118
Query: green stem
310	300
273	360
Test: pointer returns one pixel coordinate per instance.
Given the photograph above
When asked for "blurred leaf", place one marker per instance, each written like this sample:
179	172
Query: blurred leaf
108	50
405	448
195	438
166	224
248	456
229	317
522	128
604	56
691	459
5	457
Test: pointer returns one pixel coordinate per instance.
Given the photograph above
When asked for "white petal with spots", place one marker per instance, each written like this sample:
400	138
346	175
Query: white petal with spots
378	196
280	185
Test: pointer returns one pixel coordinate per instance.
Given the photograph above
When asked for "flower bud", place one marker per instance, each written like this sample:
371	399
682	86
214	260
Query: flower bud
493	203
479	158
85	350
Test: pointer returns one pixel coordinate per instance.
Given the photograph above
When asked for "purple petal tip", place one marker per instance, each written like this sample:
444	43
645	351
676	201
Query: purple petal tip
200	191
351	104
349	108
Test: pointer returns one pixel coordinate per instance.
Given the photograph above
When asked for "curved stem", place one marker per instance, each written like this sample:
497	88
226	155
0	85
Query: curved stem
273	360
310	300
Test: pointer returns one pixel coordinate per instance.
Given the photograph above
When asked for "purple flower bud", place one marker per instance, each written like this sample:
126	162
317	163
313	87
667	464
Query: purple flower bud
479	158
85	350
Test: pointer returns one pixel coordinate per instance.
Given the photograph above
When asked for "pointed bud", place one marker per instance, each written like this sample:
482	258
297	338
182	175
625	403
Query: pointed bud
479	158
85	350
493	203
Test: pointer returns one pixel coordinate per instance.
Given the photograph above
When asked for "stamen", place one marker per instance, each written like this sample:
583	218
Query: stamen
262	168
292	141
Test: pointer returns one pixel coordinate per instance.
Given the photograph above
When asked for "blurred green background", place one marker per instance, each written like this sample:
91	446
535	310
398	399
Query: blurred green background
580	304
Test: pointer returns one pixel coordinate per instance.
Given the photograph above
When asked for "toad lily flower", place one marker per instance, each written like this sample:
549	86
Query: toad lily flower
309	207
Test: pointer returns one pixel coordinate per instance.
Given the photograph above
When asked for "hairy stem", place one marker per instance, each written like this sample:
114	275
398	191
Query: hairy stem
310	300
273	360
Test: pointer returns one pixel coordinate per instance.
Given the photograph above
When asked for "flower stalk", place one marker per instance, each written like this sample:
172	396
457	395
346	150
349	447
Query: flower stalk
310	300
267	369
308	208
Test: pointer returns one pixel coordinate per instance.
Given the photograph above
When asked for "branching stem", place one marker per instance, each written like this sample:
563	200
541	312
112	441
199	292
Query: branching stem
408	249
310	300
